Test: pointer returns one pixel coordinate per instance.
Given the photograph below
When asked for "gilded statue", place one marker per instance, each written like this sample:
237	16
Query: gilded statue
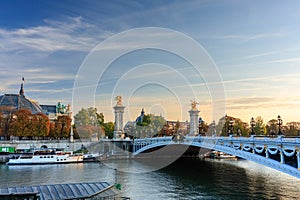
194	105
119	100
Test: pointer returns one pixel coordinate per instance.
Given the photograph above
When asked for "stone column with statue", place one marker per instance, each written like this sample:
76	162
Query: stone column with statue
119	111
69	112
194	122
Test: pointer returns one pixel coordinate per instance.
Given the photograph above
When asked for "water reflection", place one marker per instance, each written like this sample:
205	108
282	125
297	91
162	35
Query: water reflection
184	179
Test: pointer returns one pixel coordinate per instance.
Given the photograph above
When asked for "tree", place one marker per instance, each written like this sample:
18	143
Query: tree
238	126
89	116
271	127
2	124
100	118
292	128
22	124
75	132
62	127
89	121
52	131
177	126
259	128
88	130
145	122
150	126
82	118
41	125
109	129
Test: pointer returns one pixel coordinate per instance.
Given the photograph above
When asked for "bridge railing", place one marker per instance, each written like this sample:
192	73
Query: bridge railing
278	141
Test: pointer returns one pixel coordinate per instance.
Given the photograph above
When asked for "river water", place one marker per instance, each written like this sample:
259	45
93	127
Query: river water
184	179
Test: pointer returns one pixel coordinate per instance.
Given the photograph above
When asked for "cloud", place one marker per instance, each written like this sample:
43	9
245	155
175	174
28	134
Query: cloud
246	37
263	54
73	34
287	60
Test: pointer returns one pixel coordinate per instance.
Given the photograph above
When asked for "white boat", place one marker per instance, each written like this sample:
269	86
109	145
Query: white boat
46	156
221	155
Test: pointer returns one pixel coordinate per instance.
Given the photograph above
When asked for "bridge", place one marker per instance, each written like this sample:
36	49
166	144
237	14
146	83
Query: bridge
280	153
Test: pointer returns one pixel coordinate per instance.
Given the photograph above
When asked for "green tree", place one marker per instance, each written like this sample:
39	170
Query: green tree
109	129
271	127
151	126
145	122
100	118
82	118
238	126
89	121
89	116
259	128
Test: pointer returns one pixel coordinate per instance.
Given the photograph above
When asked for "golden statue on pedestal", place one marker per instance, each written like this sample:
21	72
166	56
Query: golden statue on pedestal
194	105
119	100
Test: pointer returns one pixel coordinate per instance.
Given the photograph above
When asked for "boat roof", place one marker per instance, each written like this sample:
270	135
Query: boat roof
62	191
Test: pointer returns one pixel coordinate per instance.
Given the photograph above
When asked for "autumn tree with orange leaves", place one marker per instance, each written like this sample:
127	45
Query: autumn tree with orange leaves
25	124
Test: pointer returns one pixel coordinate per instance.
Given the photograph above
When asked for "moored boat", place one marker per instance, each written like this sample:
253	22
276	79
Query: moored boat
221	155
45	156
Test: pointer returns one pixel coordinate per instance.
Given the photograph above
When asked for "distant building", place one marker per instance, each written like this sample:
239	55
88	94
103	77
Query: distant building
140	118
173	127
10	103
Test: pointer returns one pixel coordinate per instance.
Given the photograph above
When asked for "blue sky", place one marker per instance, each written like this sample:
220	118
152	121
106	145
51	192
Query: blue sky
254	44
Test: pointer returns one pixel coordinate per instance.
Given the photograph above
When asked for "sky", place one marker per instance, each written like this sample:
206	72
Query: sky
249	56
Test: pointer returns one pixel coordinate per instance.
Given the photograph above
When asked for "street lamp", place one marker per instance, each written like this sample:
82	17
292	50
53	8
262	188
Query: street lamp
279	123
200	126
213	128
252	123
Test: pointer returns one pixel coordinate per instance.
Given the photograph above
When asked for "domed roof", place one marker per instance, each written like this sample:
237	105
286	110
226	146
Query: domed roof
13	102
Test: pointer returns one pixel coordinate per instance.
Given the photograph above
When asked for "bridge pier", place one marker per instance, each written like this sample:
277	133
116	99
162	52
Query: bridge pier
194	120
298	159
281	156
119	111
267	153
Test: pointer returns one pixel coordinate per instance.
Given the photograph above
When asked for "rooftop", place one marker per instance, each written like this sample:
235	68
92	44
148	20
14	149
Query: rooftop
62	191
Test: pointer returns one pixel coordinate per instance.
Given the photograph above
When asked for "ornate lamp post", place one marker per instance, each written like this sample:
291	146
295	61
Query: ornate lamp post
279	123
252	123
213	128
200	126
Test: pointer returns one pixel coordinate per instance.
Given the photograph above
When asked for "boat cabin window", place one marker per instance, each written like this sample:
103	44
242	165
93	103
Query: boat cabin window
26	157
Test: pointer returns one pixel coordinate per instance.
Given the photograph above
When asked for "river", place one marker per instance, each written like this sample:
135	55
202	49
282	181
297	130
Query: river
184	179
